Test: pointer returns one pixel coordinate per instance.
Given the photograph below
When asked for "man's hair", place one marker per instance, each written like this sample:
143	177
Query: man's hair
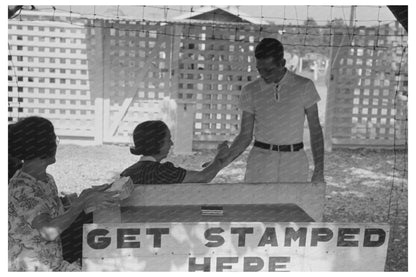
148	137
269	47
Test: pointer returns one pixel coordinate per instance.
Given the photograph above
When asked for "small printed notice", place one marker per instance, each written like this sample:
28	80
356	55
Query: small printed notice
235	246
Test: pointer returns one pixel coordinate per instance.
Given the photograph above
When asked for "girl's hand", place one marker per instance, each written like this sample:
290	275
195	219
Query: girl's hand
102	187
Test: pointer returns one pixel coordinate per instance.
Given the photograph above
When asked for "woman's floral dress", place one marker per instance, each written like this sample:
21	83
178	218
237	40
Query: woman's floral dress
28	251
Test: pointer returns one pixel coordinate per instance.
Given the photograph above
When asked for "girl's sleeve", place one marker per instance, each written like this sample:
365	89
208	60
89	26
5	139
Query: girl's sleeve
169	174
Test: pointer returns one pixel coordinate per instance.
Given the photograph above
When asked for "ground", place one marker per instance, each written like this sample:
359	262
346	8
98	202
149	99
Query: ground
362	185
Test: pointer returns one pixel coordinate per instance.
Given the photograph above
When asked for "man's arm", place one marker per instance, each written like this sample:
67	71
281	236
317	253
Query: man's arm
317	143
208	173
242	141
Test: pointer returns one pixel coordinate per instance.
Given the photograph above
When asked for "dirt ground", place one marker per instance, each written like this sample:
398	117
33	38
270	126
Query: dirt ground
362	185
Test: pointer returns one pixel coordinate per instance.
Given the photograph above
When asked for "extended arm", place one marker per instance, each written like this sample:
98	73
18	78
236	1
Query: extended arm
226	156
317	143
50	228
243	140
204	176
209	172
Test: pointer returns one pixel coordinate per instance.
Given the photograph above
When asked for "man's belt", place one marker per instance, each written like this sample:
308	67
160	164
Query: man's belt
279	148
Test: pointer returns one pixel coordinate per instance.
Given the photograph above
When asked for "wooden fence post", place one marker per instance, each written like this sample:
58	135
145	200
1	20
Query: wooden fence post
99	68
185	110
98	79
331	84
184	131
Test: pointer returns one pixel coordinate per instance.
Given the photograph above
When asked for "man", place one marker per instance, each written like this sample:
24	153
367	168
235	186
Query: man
274	108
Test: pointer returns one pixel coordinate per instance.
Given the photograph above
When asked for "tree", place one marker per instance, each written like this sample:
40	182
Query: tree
312	35
310	22
332	27
337	24
13	10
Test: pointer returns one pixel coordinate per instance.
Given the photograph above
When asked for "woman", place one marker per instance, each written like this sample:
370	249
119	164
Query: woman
36	214
14	163
152	140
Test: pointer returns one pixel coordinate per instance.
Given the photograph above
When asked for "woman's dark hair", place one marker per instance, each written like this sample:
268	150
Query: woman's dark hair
32	137
14	165
269	47
148	137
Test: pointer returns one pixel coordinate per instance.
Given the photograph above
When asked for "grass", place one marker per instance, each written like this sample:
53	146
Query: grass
362	185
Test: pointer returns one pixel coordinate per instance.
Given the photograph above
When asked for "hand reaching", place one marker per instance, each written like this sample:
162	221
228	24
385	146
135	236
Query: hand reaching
222	150
98	197
318	177
222	153
101	187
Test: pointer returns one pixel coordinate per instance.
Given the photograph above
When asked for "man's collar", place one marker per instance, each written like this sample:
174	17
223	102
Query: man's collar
147	159
284	79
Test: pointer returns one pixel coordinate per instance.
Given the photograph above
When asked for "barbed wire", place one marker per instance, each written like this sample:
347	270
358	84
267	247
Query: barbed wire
235	39
378	30
346	27
395	169
16	80
310	32
276	18
226	25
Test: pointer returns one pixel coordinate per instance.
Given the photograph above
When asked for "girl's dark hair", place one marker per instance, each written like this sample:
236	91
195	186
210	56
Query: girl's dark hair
269	47
148	137
32	137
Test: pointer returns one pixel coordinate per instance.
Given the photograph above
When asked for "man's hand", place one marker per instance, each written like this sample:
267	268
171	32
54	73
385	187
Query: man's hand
317	143
222	150
318	176
222	153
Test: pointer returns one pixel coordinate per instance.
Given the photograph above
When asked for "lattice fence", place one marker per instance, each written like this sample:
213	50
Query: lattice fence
368	87
132	70
48	75
215	62
98	78
94	79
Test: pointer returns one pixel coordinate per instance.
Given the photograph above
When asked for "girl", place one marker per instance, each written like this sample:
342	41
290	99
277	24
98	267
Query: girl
152	140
